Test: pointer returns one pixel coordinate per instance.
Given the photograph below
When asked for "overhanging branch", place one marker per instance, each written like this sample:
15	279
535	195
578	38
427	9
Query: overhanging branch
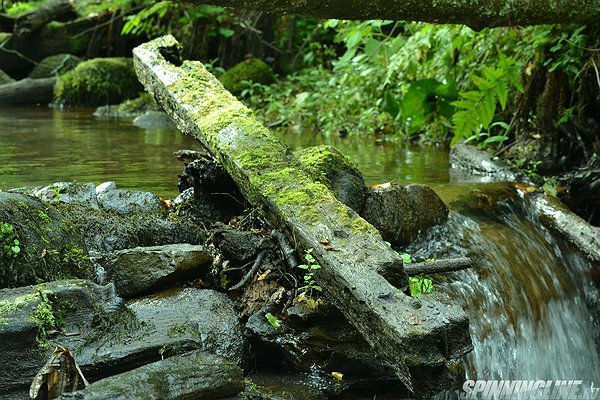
475	13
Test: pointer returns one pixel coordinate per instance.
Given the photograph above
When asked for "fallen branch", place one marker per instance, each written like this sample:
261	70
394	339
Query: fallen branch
289	254
438	266
248	277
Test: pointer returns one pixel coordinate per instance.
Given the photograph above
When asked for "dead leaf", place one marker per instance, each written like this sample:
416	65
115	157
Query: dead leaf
382	186
60	374
531	189
337	375
300	298
264	275
330	248
324	241
414	320
536	136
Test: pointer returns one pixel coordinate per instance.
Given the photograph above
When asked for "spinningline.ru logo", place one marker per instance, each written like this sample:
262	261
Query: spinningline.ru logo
529	390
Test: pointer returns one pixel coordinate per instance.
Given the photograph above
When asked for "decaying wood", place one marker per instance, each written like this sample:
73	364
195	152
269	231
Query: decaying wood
272	179
478	14
27	91
438	266
49	11
289	254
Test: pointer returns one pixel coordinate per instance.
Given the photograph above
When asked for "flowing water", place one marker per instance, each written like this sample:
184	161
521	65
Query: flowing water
531	299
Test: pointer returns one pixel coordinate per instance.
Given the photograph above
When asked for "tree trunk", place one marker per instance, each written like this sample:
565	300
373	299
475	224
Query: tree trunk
350	251
477	14
27	91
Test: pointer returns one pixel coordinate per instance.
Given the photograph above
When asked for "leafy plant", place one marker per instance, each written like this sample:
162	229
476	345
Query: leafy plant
420	285
310	267
9	241
406	258
273	320
477	108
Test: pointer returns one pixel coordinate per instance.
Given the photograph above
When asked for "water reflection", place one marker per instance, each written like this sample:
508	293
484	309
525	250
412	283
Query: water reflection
39	146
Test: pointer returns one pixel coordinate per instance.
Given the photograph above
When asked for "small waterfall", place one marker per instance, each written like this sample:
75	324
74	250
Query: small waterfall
531	300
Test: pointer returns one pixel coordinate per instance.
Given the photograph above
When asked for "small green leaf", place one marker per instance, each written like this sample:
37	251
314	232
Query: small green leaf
272	320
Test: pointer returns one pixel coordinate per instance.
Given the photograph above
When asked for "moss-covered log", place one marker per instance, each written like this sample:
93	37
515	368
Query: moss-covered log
50	10
477	14
350	251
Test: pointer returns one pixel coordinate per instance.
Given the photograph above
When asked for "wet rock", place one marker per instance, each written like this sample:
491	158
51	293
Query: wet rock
392	212
327	165
283	387
34	319
4	78
254	70
402	212
191	376
129	108
467	160
55	65
163	325
239	247
429	208
69	192
141	269
129	202
105	186
55	239
154	120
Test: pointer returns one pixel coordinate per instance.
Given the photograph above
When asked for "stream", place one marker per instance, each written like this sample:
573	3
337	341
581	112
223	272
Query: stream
531	299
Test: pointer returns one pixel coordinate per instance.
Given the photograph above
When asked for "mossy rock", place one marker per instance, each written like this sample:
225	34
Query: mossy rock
98	81
55	65
253	69
4	78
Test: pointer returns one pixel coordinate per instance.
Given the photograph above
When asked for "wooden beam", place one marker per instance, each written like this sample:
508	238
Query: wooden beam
402	330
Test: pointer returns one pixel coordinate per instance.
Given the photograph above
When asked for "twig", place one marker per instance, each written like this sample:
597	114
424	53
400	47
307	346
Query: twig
248	277
21	55
287	250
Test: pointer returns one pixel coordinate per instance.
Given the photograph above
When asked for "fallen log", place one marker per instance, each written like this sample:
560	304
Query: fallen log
402	330
48	11
438	266
27	91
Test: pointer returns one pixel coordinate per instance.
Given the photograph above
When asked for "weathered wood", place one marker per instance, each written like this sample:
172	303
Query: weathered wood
477	14
27	91
49	11
401	329
438	266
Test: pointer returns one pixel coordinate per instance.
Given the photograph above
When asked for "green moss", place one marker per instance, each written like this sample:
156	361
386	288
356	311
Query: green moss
4	78
55	65
252	70
322	162
97	82
9	307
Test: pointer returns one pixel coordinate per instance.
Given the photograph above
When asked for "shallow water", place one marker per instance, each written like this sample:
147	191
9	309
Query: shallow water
529	299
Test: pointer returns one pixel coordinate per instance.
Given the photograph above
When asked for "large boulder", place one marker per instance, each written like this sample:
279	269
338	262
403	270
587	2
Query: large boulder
141	269
55	65
327	165
129	202
193	376
97	82
251	70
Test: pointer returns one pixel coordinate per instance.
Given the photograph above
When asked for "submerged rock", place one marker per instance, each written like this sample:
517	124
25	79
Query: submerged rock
154	120
140	269
191	376
327	165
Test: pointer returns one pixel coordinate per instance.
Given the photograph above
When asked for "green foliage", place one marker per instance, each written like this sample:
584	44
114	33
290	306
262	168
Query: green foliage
310	267
406	258
9	241
273	320
19	8
44	319
477	108
149	20
97	82
420	285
